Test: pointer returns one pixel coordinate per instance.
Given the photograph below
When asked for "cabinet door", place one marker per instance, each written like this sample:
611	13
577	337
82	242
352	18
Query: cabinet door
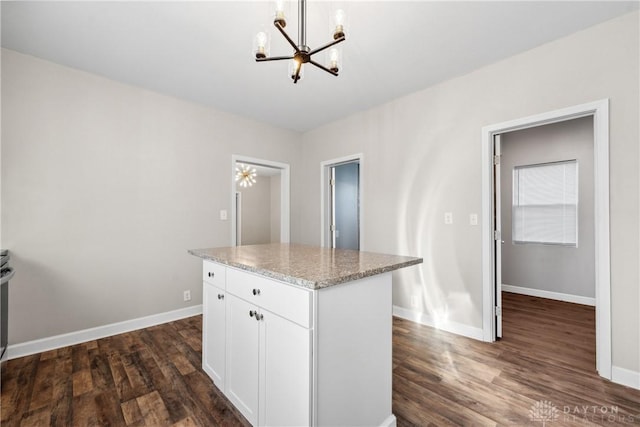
213	333
241	380
285	374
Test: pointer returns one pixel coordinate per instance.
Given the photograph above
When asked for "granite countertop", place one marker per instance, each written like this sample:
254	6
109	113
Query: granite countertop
310	267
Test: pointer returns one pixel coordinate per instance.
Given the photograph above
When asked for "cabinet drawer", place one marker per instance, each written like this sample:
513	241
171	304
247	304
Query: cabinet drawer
214	273
285	300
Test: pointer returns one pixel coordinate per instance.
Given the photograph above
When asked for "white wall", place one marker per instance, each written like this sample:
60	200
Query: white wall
423	158
554	268
104	188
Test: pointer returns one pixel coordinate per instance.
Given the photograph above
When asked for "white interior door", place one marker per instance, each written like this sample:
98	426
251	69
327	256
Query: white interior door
497	235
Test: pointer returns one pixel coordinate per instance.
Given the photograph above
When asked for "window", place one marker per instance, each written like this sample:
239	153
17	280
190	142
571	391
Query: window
545	203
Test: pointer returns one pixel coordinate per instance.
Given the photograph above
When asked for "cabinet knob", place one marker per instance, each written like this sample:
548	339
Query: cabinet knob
256	291
211	274
259	317
253	313
220	296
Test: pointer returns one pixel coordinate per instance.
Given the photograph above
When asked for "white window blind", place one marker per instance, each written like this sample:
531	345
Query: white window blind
545	203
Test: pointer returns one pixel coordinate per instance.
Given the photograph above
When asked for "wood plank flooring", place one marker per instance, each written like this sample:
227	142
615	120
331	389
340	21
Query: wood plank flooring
547	354
152	377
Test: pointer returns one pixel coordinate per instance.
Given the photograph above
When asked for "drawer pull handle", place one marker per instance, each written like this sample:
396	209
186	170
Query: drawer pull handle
254	313
256	291
211	274
220	296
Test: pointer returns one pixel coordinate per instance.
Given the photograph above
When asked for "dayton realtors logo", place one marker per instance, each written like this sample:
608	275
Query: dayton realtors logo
545	412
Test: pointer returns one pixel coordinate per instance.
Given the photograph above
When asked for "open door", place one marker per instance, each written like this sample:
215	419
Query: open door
497	235
344	204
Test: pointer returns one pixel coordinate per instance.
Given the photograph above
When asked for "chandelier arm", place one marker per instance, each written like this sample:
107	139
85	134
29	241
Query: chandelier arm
286	36
273	58
322	67
328	45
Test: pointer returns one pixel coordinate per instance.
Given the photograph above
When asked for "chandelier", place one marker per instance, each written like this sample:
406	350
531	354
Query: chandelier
302	53
245	175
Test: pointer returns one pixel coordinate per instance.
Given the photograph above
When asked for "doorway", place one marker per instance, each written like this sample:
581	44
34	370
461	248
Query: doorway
260	201
546	216
491	264
342	203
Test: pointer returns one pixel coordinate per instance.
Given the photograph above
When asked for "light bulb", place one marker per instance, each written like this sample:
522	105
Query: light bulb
262	39
295	66
334	58
260	48
339	20
280	18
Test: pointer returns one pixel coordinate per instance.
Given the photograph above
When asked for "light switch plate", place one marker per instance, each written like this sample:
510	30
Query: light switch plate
223	215
473	219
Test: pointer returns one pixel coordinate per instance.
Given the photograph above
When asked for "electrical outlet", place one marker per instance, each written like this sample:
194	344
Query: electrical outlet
187	295
448	218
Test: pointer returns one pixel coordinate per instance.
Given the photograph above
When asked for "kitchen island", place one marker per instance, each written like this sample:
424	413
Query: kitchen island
300	335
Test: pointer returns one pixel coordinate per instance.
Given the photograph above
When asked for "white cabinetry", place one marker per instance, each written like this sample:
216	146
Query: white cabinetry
213	322
243	346
285	349
257	345
295	357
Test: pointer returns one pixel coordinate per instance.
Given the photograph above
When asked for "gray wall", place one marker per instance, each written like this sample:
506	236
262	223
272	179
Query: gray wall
568	270
422	158
256	212
104	188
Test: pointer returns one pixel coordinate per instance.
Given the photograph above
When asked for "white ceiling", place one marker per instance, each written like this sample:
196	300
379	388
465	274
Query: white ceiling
201	51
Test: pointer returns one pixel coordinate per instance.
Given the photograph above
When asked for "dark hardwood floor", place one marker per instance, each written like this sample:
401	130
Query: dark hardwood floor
152	377
547	354
149	377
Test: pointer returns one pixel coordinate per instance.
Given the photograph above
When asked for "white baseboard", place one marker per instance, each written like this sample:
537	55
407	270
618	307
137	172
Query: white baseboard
389	422
576	299
51	343
447	325
625	377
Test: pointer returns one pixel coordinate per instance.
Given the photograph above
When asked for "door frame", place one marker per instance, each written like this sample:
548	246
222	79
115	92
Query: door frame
599	110
325	168
237	215
284	193
497	241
